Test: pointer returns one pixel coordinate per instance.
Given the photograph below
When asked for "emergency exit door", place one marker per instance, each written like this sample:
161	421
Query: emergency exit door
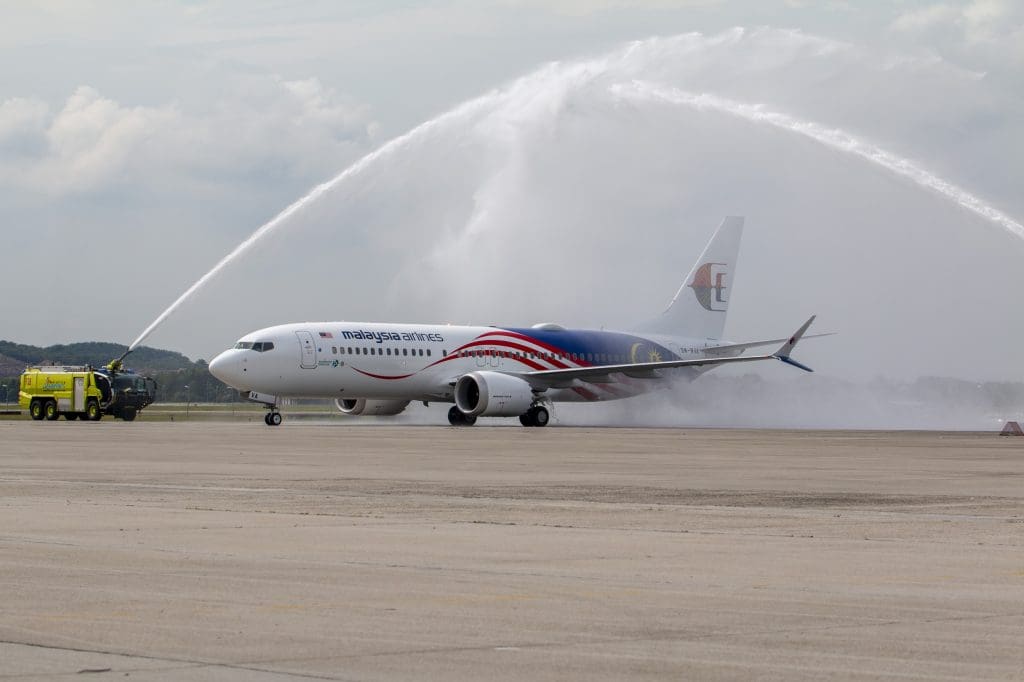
308	350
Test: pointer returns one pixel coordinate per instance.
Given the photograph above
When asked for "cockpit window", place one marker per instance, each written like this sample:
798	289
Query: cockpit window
258	346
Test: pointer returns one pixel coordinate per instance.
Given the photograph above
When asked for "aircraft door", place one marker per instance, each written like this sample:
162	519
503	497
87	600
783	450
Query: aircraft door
308	347
78	395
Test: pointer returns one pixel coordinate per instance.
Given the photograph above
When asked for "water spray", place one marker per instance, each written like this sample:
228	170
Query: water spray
311	196
834	138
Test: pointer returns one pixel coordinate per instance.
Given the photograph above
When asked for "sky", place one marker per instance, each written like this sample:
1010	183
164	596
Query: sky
554	180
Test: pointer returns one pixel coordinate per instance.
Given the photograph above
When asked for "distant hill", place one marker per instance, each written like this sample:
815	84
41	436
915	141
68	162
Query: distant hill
15	356
10	366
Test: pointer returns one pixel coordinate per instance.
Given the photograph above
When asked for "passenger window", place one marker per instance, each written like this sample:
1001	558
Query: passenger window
444	353
421	352
389	351
405	351
428	352
373	351
334	350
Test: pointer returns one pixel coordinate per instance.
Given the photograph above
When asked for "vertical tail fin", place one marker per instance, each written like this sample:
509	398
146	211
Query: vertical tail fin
698	309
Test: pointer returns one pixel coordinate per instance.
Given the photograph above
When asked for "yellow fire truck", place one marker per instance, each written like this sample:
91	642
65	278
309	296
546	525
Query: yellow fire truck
48	392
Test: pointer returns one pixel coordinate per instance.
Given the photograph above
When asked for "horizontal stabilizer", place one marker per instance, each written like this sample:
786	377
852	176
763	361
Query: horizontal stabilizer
737	348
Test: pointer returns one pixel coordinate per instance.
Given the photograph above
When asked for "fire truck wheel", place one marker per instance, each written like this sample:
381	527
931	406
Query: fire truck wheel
35	410
50	410
92	411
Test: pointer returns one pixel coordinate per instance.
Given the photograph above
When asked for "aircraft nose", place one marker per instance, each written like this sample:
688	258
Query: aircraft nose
225	368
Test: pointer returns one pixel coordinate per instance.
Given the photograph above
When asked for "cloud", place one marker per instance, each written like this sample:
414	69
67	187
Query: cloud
581	8
93	143
22	126
989	30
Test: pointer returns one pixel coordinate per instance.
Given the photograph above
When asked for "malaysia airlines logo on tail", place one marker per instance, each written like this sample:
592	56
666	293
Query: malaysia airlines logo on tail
709	286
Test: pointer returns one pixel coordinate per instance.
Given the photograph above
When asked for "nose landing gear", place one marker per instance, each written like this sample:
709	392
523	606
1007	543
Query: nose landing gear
273	416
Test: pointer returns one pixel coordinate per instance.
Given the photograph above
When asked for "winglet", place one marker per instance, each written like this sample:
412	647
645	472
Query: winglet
787	348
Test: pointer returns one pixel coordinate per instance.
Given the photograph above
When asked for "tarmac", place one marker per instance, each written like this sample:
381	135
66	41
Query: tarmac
234	551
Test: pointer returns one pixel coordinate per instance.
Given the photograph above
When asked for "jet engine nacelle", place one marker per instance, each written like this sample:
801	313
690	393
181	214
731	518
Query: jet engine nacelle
374	408
492	394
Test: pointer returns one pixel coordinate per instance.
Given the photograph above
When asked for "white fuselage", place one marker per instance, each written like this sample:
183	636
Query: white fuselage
384	361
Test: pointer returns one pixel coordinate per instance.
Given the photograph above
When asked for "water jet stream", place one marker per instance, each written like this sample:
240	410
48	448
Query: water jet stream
311	196
833	138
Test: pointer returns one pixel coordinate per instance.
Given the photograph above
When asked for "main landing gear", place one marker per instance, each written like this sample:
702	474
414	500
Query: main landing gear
273	417
457	417
537	415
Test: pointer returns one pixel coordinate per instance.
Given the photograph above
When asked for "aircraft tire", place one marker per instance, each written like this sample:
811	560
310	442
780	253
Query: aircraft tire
266	419
539	415
274	419
129	414
524	419
457	417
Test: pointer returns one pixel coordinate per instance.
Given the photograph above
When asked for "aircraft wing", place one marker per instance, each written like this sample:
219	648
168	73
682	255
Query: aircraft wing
555	378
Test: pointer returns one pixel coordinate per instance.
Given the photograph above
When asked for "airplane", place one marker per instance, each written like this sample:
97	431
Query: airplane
379	368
